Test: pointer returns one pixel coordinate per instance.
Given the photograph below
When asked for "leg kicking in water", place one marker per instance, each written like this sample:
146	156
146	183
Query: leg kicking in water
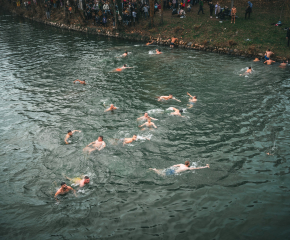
178	168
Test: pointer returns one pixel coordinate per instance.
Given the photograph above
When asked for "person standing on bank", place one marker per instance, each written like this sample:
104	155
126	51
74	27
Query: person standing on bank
211	8
200	7
288	36
249	9
233	14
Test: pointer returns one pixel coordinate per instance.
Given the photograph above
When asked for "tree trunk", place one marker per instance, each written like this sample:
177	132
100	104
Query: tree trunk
161	16
151	3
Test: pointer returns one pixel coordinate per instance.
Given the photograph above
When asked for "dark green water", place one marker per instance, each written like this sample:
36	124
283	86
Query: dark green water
235	122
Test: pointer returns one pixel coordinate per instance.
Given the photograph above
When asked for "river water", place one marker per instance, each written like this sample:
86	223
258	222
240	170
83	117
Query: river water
236	121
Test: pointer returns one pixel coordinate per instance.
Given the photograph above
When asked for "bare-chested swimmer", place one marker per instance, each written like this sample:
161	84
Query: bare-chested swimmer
125	54
99	144
145	117
158	51
283	64
80	81
167	98
269	62
247	72
178	168
122	68
148	124
79	181
256	60
64	189
69	134
111	108
176	112
129	140
192	99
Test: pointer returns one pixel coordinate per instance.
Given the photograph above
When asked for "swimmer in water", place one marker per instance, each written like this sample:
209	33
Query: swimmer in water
192	99
158	51
148	124
178	169
146	116
167	98
269	62
129	140
256	60
64	189
111	108
69	134
122	68
125	54
96	145
81	82
81	182
176	112
247	72
283	64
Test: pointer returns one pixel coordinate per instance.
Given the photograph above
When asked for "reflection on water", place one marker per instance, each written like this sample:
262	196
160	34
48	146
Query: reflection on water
234	124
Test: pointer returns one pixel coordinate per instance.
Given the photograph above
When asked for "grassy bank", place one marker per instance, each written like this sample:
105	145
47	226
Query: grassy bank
253	35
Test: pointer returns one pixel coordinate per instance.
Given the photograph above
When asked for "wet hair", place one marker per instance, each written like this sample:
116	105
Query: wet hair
269	49
125	65
125	51
181	111
134	135
68	131
101	137
250	67
86	177
187	163
62	183
159	50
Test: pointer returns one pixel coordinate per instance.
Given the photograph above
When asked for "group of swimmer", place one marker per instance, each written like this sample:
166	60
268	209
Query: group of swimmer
100	144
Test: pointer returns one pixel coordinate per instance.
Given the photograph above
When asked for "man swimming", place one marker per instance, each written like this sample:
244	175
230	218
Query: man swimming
81	182
167	98
125	54
269	62
247	72
268	54
111	108
122	68
99	144
176	112
192	99
158	51
178	169
129	140
148	124
283	64
80	81
64	189
173	42
146	116
69	134
256	60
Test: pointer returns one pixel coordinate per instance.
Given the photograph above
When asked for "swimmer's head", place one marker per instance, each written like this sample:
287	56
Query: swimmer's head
111	105
159	50
187	163
170	95
100	138
134	137
250	67
63	185
146	114
149	120
87	180
269	49
180	111
69	132
125	65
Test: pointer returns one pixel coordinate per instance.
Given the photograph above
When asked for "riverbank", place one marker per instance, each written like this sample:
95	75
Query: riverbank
247	38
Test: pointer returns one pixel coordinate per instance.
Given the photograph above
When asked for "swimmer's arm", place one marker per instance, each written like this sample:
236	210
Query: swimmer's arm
140	118
176	99
142	124
108	109
189	94
154	125
90	144
76	80
265	61
153	118
67	177
55	195
66	138
76	131
103	146
191	168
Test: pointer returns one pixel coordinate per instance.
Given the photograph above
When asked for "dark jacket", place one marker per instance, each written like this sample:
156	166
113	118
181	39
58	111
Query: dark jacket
288	33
